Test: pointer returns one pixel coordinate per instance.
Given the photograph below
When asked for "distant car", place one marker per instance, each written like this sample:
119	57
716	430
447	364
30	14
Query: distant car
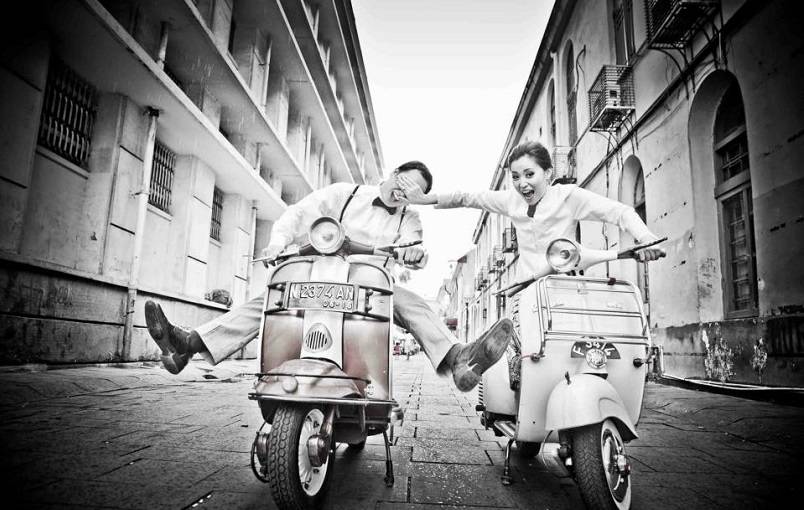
397	349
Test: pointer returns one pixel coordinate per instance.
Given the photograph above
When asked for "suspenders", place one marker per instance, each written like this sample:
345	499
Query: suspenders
352	195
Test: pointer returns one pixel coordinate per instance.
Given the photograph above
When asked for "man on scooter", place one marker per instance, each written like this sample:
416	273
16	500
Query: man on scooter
375	215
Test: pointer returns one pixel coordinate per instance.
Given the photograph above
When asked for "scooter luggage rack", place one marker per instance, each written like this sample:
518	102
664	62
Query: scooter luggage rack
548	310
282	304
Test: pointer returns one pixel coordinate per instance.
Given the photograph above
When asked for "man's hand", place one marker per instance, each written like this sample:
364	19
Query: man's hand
413	193
411	256
269	253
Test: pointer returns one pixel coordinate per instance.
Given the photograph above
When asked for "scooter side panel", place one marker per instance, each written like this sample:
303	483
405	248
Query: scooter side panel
282	332
366	341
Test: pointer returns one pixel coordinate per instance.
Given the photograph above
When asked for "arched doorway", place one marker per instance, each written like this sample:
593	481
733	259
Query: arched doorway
632	192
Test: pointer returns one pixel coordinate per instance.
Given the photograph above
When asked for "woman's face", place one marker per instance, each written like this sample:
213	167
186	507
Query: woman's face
529	179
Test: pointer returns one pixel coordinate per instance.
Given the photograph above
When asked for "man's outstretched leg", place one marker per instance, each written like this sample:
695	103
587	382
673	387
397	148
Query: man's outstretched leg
178	345
466	362
215	340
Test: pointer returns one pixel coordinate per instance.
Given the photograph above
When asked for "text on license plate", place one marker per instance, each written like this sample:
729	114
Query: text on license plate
330	296
579	349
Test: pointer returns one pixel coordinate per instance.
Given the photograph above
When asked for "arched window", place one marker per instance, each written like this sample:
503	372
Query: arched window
733	193
569	76
551	94
639	207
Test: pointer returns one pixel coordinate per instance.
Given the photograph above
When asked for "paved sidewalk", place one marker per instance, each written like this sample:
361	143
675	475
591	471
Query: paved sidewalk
107	437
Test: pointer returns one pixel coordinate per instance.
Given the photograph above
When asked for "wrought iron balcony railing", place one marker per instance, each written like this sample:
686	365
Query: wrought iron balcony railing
673	23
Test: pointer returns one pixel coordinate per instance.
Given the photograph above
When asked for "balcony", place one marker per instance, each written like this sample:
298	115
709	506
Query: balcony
564	164
611	98
482	278
673	23
509	244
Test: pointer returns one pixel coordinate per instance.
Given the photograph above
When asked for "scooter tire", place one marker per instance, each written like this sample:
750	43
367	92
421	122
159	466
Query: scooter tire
283	463
600	488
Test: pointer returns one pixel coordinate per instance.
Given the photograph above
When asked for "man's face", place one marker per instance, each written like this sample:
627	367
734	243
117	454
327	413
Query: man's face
529	179
393	194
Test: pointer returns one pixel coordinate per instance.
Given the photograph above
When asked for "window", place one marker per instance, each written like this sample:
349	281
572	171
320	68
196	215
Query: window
217	211
733	193
569	69
68	114
232	29
622	15
552	95
162	177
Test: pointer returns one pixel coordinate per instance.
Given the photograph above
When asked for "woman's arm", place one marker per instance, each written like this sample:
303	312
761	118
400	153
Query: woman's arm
591	206
488	200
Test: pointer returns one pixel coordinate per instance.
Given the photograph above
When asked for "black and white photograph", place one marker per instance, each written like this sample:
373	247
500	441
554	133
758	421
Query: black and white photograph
402	254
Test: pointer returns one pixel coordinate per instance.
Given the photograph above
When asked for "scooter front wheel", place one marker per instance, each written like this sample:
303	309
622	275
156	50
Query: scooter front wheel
295	483
602	470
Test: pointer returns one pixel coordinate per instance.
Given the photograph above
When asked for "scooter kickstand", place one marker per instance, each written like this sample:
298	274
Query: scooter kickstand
389	465
506	477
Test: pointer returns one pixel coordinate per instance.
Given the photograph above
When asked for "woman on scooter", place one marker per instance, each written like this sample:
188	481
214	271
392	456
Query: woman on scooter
539	210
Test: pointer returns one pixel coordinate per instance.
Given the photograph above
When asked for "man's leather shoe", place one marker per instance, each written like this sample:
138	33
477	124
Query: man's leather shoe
173	340
478	356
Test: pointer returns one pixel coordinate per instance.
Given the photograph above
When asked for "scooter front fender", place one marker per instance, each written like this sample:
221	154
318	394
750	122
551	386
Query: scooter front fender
307	379
586	399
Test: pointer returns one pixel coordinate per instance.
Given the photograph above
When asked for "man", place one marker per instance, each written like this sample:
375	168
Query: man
375	215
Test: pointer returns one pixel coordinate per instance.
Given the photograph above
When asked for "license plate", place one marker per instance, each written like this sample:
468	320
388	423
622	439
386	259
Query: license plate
579	349
322	296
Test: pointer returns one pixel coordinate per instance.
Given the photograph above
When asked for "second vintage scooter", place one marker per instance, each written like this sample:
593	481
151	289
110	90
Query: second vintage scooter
571	387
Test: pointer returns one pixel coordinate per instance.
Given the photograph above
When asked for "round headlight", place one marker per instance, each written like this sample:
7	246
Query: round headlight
326	235
563	255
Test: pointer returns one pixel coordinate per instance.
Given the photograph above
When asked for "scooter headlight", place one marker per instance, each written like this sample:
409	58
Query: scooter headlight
326	235
563	255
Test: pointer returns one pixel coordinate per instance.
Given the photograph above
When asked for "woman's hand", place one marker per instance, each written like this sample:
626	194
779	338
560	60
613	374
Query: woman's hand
649	254
413	193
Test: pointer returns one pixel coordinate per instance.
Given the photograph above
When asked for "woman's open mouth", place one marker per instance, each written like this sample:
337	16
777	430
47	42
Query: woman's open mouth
398	195
527	194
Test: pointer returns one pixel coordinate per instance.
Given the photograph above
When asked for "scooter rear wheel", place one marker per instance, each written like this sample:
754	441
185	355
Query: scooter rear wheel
601	467
295	483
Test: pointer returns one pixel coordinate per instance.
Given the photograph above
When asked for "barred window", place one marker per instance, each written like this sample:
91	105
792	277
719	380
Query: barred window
217	210
68	114
162	177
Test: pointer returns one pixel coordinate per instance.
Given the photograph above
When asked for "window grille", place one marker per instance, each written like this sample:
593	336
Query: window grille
162	177
673	23
217	211
509	240
68	114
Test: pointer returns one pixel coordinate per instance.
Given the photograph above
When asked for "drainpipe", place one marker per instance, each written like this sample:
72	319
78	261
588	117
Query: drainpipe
163	42
142	210
251	245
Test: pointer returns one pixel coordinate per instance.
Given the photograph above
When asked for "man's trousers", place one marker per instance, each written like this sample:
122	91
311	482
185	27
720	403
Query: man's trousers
227	334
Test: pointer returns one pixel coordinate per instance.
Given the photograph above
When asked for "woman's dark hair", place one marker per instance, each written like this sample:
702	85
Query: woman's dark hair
533	149
422	169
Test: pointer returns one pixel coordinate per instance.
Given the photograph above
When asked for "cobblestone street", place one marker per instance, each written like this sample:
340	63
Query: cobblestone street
104	437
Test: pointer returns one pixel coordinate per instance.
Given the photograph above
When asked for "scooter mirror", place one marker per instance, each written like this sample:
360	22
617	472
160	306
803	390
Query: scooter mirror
563	255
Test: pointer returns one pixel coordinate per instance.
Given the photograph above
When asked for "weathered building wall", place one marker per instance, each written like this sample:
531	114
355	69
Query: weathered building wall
670	138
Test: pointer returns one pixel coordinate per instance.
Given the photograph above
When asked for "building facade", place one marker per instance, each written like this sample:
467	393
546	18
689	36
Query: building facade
692	113
147	149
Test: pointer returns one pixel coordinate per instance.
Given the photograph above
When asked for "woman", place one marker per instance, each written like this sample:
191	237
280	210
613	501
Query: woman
540	212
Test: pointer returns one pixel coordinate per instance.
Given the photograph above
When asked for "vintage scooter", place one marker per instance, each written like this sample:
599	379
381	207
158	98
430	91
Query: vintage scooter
325	374
572	383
